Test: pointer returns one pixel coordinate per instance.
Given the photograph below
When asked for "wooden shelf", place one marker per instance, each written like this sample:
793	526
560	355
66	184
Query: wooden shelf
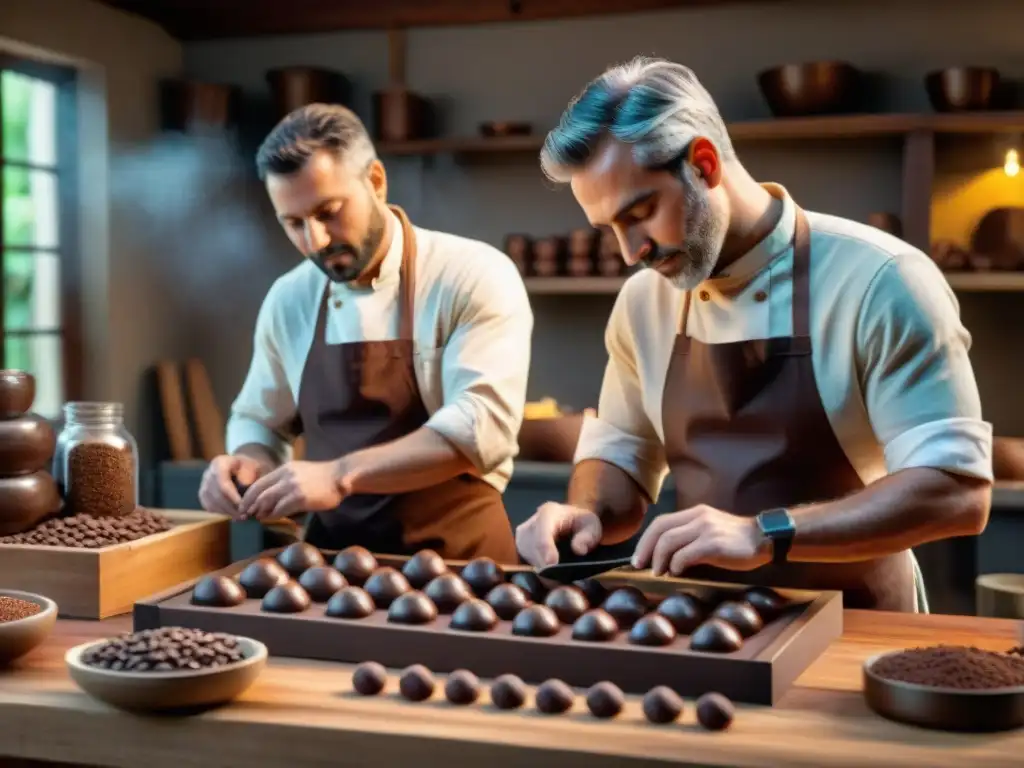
986	281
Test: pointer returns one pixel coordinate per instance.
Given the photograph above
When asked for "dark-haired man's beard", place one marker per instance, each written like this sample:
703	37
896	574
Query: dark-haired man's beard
344	262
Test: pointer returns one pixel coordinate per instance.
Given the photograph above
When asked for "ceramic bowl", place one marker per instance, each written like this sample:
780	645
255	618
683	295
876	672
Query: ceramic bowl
17	393
26	444
23	635
811	88
168	691
962	89
26	500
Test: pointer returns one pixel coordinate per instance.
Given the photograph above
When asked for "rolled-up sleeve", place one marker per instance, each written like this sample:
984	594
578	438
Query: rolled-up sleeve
622	433
485	366
264	411
916	375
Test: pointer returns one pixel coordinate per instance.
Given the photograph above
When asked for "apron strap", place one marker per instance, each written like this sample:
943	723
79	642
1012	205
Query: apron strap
801	276
407	275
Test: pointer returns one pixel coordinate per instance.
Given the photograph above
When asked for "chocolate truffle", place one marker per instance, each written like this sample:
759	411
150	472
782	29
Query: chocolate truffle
369	678
593	590
423	567
595	626
261	576
350	603
482	575
298	557
662	705
448	591
322	581
507	600
715	712
385	586
652	629
684	611
766	601
554	697
626	605
412	608
508	692
716	636
355	564
531	584
416	683
218	592
462	687
286	598
740	615
536	620
605	700
568	603
474	615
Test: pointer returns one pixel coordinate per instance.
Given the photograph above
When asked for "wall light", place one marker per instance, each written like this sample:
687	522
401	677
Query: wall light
1011	166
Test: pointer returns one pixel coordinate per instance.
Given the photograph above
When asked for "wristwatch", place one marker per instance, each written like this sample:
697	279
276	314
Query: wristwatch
778	527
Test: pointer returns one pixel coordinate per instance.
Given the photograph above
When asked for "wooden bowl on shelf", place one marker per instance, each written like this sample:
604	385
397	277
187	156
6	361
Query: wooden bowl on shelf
811	88
20	636
17	393
962	89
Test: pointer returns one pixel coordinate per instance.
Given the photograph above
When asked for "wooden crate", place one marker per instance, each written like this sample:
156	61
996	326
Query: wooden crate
104	582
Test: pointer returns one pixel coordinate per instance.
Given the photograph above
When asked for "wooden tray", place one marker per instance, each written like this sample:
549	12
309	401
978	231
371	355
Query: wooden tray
104	582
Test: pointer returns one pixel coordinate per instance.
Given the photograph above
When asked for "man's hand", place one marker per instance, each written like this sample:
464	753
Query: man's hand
536	538
293	488
701	535
218	491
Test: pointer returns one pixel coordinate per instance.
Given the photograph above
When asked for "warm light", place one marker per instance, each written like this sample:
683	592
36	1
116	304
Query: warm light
1012	164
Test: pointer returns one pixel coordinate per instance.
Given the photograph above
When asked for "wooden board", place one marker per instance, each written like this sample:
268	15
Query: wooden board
759	673
104	582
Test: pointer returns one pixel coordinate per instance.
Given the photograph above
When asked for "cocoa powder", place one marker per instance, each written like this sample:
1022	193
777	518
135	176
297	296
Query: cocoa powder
13	609
100	480
951	666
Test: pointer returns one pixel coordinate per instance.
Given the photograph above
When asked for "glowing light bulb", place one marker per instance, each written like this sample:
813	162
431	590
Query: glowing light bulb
1011	166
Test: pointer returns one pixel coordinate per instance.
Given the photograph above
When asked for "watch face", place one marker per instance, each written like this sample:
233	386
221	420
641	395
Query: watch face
776	521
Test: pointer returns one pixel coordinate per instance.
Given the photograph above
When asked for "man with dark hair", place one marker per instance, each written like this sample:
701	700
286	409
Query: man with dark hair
400	354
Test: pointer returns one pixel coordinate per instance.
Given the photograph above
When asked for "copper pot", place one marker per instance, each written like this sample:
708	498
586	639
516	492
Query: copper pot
547	257
17	392
26	501
811	88
294	87
962	89
401	115
188	105
518	248
26	444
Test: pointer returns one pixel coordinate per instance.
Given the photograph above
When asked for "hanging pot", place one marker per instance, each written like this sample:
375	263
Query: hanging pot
190	105
294	87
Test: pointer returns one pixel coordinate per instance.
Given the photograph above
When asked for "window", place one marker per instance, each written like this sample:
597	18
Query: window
37	186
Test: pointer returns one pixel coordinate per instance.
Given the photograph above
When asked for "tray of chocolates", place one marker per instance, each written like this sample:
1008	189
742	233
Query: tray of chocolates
630	629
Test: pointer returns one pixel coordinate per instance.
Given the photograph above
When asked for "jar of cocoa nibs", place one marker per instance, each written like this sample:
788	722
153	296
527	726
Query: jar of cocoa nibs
96	463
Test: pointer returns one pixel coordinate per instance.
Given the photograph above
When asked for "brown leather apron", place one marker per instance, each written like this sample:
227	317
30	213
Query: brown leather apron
746	431
359	394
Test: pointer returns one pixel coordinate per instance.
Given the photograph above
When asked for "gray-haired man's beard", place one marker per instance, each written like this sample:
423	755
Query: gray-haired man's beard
698	254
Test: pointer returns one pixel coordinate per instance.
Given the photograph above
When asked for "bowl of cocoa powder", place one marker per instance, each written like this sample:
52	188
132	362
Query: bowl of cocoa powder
26	620
948	688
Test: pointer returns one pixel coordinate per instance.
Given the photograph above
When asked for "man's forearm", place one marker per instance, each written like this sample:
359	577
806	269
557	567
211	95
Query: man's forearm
898	512
419	460
610	492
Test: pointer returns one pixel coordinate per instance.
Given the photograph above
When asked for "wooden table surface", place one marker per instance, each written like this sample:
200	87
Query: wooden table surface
302	713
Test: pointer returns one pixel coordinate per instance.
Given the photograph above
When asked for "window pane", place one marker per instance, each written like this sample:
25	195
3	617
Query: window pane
30	207
30	119
31	291
42	356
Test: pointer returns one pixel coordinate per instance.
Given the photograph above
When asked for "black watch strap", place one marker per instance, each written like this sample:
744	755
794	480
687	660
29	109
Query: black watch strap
778	527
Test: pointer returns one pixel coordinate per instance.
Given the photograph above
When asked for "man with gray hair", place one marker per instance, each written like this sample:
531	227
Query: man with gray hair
804	378
400	354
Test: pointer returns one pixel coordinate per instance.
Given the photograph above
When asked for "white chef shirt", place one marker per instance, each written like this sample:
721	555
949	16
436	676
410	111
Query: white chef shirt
471	334
889	352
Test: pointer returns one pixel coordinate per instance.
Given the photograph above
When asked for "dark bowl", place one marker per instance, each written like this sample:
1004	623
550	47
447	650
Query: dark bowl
17	392
811	88
963	89
27	444
27	500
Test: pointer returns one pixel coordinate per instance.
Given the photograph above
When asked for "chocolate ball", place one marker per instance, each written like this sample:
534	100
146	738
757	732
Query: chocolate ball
322	581
482	575
289	597
386	585
595	626
416	683
350	603
474	615
605	700
448	591
740	615
652	629
568	603
218	592
355	564
508	692
766	601
261	576
593	590
369	678
715	712
554	697
531	584
716	636
297	557
536	620
462	687
412	608
626	604
684	611
423	567
507	600
662	705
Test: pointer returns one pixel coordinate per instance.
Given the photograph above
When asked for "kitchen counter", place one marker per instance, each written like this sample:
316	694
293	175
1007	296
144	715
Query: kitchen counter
302	713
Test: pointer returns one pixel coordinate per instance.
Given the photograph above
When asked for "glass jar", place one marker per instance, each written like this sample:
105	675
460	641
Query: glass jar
96	461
